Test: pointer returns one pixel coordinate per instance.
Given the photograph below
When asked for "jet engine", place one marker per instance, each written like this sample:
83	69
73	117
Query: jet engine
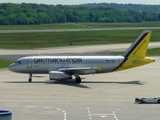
58	75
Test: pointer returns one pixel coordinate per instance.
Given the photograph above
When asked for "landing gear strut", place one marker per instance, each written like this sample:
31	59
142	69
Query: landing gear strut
78	79
30	78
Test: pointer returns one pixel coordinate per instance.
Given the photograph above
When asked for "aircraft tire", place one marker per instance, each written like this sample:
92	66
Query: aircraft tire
30	80
78	80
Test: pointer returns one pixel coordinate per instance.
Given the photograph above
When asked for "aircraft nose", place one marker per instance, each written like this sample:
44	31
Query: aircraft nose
11	67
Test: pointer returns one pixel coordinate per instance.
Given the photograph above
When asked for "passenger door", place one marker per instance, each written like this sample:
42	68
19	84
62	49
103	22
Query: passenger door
29	63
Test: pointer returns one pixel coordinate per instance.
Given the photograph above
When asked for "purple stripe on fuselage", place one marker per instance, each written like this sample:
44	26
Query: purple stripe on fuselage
125	59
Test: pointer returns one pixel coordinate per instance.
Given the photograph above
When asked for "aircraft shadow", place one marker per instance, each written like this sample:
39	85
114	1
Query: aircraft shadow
71	82
128	82
147	103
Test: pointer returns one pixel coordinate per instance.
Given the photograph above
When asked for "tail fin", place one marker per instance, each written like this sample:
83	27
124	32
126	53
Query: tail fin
136	54
140	46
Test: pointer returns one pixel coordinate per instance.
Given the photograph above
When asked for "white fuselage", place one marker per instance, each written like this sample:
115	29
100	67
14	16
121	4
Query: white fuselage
44	64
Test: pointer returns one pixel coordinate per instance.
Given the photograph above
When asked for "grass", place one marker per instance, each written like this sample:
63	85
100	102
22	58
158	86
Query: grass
154	51
122	25
79	26
57	39
5	63
41	27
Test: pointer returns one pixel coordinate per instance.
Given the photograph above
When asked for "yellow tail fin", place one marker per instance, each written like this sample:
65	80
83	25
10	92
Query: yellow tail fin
140	46
136	54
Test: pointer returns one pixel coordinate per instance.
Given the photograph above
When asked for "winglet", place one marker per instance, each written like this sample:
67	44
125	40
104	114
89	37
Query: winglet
140	46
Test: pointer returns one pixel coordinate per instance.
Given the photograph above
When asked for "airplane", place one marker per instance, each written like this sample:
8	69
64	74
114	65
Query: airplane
64	67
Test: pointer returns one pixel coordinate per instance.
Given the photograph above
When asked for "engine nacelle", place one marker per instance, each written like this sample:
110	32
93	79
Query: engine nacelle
57	75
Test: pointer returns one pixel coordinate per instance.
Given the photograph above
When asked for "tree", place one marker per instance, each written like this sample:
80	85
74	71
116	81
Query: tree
61	18
12	14
3	12
92	16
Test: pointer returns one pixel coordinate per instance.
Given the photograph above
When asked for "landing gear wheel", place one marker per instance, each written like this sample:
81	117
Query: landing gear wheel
30	78
78	80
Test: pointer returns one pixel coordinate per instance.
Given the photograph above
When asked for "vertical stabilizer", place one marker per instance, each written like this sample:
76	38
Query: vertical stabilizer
136	54
140	46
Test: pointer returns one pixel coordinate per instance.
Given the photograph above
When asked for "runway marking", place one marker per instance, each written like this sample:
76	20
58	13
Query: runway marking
89	113
105	115
114	112
64	112
115	116
102	114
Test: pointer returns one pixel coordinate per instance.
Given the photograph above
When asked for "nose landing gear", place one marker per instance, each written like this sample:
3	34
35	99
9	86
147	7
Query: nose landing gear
30	78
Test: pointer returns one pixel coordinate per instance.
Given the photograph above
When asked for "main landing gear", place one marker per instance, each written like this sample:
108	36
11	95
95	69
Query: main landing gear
30	78
78	79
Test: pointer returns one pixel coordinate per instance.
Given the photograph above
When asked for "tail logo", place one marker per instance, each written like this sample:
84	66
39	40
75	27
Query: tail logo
139	47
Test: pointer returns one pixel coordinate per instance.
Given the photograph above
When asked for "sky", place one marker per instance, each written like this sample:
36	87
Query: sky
74	2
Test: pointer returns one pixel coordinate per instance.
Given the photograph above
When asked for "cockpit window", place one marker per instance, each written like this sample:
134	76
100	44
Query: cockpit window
18	62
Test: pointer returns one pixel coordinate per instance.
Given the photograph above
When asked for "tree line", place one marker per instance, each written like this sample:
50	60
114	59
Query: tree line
134	7
31	14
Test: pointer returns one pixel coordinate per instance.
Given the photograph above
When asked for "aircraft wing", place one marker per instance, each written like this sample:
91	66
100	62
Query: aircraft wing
81	70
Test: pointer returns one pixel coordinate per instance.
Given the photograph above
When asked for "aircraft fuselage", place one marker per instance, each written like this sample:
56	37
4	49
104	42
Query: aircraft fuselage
44	64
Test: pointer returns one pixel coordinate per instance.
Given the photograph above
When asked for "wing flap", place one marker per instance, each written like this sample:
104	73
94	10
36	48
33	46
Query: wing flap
80	70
